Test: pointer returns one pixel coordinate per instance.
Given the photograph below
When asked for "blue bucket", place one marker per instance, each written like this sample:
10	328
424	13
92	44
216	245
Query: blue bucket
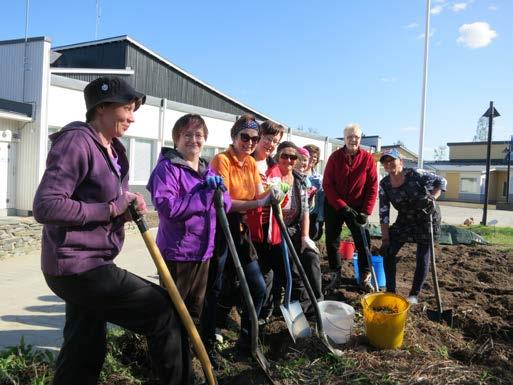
377	262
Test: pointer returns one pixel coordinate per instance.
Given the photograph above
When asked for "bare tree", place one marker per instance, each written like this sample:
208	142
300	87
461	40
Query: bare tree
440	153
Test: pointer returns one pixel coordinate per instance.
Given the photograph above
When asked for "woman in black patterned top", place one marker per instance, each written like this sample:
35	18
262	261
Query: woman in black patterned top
413	193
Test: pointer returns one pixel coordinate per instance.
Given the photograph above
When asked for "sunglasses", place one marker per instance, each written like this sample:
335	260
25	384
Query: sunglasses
246	138
288	156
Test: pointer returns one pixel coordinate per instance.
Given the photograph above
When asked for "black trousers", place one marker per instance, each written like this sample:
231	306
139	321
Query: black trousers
423	262
110	294
311	263
334	221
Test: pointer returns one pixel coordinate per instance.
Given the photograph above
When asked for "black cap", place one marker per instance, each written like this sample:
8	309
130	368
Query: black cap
111	89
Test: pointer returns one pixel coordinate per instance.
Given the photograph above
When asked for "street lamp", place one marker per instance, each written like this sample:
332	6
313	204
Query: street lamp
490	113
507	151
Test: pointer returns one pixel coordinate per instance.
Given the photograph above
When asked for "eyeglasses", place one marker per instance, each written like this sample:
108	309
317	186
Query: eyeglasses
193	136
271	139
246	138
288	156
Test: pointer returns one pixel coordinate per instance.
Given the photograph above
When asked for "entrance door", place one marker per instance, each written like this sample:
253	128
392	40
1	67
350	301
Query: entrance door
7	177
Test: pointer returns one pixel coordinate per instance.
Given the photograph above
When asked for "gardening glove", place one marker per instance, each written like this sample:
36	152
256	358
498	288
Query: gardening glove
307	243
383	249
348	212
276	195
119	205
428	204
361	219
214	182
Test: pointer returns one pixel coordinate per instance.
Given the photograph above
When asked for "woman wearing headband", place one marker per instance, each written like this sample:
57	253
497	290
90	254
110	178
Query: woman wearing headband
238	169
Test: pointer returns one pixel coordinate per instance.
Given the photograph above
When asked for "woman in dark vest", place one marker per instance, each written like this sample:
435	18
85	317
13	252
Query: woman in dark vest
413	193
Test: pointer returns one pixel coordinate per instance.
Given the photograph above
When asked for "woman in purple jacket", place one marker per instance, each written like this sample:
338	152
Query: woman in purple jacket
82	201
182	188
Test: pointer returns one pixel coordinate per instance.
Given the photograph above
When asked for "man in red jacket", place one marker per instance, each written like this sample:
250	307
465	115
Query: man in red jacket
351	187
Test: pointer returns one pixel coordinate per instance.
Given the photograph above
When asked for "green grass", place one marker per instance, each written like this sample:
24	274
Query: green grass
494	235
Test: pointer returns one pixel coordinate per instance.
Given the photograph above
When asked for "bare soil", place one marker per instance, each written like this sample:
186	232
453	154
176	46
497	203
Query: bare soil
475	282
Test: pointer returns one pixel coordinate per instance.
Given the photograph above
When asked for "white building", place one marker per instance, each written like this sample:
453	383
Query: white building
41	91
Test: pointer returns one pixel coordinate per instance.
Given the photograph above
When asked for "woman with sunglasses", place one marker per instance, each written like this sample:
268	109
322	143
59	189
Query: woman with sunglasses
296	216
265	231
238	169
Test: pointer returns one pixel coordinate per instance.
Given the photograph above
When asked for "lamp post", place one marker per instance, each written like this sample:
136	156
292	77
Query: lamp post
508	150
424	85
490	114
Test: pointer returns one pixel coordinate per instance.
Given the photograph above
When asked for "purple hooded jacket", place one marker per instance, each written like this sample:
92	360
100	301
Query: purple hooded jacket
187	216
72	201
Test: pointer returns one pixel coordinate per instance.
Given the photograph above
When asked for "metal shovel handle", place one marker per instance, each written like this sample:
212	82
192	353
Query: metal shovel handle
176	298
285	234
223	221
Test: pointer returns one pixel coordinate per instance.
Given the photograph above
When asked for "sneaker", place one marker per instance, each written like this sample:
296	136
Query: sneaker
219	336
366	283
413	300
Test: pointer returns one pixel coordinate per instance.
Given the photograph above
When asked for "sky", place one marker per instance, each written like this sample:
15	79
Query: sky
318	65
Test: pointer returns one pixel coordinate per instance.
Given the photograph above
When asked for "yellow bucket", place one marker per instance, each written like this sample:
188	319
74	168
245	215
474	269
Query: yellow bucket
385	330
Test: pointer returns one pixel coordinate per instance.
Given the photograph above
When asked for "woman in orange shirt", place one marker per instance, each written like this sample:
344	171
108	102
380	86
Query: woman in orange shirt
242	179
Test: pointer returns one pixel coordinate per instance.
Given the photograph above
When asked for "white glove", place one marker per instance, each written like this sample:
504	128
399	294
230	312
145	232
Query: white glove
276	194
307	243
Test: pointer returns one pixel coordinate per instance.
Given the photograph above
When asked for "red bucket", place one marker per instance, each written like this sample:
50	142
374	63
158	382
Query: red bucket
346	249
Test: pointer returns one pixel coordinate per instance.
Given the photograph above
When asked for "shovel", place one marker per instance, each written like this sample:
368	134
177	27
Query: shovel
293	312
175	295
438	315
255	350
320	329
369	258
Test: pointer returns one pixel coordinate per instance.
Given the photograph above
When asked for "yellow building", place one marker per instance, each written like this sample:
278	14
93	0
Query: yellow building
465	172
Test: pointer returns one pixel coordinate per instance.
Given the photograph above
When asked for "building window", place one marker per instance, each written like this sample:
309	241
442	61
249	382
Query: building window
142	160
469	185
126	143
208	152
504	188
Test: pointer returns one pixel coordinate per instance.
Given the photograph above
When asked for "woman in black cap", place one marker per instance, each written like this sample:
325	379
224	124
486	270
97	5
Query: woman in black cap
413	193
82	201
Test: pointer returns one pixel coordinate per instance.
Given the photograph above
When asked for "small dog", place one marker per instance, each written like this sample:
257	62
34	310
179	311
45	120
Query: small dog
469	221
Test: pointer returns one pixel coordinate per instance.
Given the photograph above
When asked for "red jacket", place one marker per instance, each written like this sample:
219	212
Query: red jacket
254	217
351	181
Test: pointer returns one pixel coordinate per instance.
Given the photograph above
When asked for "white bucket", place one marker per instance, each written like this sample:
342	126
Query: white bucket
337	320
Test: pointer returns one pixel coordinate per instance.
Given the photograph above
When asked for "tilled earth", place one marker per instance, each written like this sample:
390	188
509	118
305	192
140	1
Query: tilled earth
475	282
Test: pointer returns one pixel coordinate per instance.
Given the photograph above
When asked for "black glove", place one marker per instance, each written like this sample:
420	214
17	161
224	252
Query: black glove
361	219
348	212
427	204
383	250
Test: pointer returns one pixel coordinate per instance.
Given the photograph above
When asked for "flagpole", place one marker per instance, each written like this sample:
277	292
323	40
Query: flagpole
424	85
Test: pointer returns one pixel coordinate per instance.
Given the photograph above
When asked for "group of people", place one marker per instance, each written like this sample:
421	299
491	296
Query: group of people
83	198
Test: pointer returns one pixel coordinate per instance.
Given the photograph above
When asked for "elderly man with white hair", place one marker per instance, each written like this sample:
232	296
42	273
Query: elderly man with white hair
351	187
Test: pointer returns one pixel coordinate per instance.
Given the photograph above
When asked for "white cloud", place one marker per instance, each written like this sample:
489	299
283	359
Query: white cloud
476	35
412	25
457	7
492	8
437	9
408	129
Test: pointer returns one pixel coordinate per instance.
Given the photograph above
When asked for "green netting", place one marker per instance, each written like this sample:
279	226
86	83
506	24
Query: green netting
450	235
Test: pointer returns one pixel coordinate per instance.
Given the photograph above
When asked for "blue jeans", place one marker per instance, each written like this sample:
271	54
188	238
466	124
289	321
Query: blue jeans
222	294
421	268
